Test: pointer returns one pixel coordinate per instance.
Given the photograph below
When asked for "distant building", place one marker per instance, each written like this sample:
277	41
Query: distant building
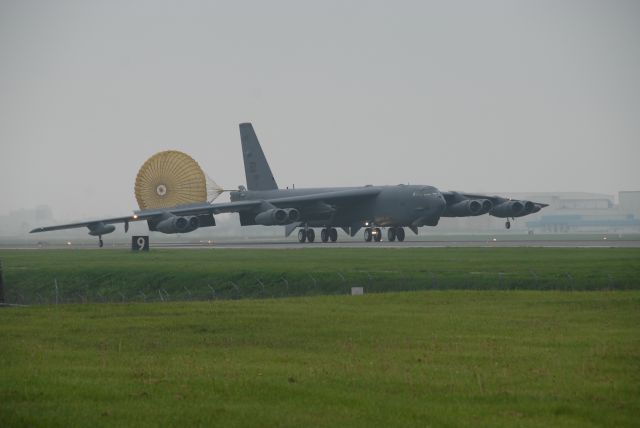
585	212
629	202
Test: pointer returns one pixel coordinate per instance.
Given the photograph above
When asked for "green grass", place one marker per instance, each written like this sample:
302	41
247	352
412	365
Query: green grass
119	275
437	358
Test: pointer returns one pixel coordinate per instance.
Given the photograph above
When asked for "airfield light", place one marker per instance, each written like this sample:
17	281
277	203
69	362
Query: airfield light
494	239
68	242
135	216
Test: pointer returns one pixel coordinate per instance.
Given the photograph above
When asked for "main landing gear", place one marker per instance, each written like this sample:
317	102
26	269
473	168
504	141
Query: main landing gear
507	224
395	233
375	234
372	233
329	233
100	243
306	235
326	234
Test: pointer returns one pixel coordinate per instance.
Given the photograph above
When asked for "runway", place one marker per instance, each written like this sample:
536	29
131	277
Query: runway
287	245
270	244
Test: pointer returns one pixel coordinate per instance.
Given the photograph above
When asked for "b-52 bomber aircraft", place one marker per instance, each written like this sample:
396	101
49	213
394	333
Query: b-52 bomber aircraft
373	208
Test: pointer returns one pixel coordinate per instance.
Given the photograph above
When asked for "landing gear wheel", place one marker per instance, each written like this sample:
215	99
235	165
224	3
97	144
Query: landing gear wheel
100	243
507	224
400	234
302	236
324	235
391	234
311	235
367	234
377	236
333	234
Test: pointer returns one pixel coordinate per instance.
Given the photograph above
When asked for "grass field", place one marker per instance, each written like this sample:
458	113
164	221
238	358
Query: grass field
434	358
33	276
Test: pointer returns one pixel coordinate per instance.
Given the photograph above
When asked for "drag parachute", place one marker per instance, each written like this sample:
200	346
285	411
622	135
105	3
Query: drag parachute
172	178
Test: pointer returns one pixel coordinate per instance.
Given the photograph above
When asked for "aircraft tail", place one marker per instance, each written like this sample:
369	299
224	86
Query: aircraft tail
256	167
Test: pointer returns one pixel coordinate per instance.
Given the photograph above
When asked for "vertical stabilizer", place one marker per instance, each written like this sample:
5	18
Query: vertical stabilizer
256	167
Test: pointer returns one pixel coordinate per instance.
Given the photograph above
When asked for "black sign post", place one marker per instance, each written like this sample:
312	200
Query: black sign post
140	243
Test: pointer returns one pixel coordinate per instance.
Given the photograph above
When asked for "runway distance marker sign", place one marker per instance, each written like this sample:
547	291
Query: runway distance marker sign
140	243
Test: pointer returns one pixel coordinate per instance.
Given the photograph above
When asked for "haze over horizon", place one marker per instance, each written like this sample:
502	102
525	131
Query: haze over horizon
510	96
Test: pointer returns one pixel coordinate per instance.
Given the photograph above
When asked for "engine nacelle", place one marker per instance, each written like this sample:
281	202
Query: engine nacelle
99	229
293	215
175	224
469	207
536	208
272	217
509	209
528	208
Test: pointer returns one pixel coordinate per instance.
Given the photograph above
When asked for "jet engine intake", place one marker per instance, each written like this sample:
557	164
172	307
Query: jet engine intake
508	209
175	224
272	217
529	208
293	215
469	207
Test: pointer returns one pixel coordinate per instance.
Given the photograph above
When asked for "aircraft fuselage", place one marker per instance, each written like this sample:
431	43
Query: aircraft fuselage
401	205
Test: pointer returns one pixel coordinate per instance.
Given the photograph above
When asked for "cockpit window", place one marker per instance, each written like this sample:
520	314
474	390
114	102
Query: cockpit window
425	192
421	193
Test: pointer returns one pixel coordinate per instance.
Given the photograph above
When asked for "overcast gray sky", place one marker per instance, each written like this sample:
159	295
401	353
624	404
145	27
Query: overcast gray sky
464	95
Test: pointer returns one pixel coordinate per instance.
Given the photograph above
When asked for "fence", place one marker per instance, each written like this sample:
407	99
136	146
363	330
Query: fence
254	285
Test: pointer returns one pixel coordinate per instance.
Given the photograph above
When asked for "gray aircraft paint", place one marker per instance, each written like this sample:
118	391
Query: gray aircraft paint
256	168
349	208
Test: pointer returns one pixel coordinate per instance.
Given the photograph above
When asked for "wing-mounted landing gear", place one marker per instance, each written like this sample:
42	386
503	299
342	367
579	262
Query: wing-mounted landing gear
508	224
100	242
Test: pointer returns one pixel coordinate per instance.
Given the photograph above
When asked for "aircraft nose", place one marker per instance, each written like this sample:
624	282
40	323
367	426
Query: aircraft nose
438	202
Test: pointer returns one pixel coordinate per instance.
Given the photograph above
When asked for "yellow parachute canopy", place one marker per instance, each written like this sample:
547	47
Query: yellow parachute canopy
168	179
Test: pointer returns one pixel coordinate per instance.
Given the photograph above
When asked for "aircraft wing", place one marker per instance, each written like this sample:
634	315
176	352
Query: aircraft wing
495	200
224	207
90	223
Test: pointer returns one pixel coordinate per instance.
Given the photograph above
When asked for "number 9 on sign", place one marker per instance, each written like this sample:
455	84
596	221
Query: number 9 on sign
140	243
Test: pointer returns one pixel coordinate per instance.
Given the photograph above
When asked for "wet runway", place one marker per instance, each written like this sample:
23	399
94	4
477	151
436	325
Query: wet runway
291	244
271	245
